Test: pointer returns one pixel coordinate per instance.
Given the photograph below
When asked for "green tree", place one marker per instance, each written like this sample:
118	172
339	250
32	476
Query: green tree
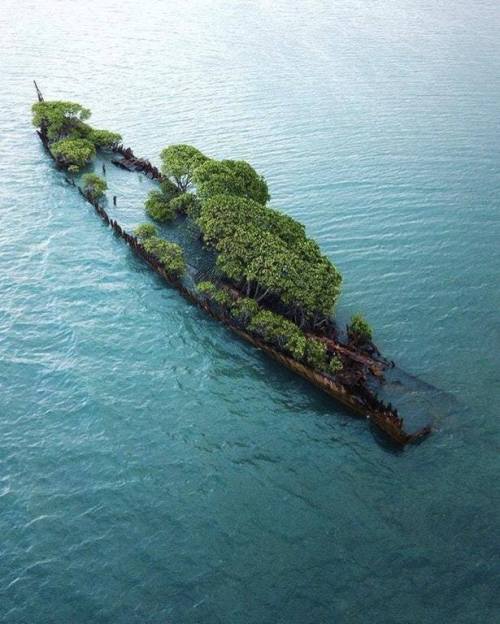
358	329
145	231
73	154
280	332
212	291
267	254
94	185
334	365
230	177
315	354
169	188
206	288
244	309
296	345
59	118
221	215
158	207
179	162
185	203
170	255
103	139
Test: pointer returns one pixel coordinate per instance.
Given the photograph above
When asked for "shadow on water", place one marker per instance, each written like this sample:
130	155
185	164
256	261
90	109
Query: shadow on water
420	402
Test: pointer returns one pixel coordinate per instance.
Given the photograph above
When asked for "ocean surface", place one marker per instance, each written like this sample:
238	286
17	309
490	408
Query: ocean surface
153	468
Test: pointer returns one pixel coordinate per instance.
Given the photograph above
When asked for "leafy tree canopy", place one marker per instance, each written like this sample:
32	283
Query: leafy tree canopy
335	365
94	185
158	207
244	309
73	153
269	254
103	139
219	295
274	329
315	354
230	177
206	288
277	330
58	117
169	188
169	254
66	120
222	215
359	329
145	230
185	203
179	162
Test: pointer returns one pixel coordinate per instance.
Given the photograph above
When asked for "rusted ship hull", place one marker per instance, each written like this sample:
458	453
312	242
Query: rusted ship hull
384	419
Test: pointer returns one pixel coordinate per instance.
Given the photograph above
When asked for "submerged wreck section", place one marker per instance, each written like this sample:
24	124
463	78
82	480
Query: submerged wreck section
259	286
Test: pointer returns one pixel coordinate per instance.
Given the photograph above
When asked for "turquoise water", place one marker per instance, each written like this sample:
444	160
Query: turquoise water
153	468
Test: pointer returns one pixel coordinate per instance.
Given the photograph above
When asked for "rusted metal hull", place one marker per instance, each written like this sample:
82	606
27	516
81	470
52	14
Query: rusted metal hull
383	418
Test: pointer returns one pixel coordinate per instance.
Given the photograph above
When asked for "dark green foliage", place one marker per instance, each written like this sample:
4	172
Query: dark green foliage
179	163
103	139
315	354
145	231
94	185
185	203
158	207
359	330
277	330
58	117
230	177
79	130
73	154
334	365
169	188
169	254
274	329
66	120
219	295
222	215
268	253
261	250
244	309
296	344
206	288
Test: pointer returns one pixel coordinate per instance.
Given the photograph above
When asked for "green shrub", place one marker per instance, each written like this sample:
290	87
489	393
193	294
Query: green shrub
219	295
206	288
296	345
66	120
315	354
334	365
179	163
59	118
185	203
168	188
94	185
145	230
270	254
223	298
170	255
244	309
279	331
359	330
230	177
158	207
73	154
173	260
103	139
